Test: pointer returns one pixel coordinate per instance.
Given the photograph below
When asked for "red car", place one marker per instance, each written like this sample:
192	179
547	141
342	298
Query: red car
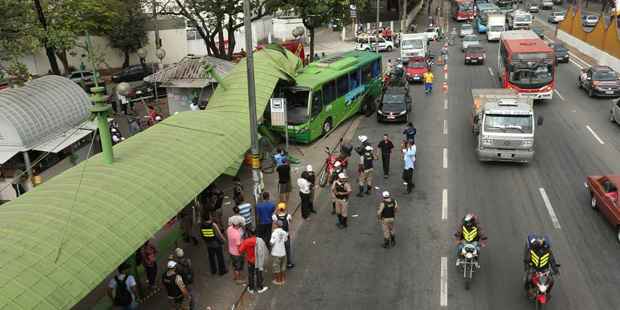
415	69
604	195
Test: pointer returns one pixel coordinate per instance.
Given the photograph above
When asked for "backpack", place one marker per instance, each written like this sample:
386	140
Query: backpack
122	296
185	272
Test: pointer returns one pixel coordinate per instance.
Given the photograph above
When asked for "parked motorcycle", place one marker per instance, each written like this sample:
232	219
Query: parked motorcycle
540	288
330	165
468	261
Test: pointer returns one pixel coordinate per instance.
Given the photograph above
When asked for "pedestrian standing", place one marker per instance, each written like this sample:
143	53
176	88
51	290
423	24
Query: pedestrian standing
386	147
245	210
280	157
237	218
341	190
178	294
264	210
428	82
278	253
186	218
149	261
366	170
237	191
255	275
284	180
409	157
234	233
386	214
214	240
310	177
122	289
410	132
305	196
184	267
286	219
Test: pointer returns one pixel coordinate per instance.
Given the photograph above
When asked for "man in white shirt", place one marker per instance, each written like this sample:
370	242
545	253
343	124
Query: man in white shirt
122	289
305	188
278	253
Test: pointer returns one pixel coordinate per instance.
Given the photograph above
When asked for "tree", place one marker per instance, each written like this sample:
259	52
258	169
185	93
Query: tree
17	38
128	32
217	19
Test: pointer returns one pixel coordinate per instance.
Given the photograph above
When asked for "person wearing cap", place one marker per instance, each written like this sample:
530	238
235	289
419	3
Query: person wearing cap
365	170
341	190
304	194
286	219
310	177
386	214
338	168
278	253
363	144
178	295
184	266
386	147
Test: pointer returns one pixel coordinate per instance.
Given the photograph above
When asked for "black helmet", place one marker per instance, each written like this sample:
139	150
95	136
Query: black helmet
469	220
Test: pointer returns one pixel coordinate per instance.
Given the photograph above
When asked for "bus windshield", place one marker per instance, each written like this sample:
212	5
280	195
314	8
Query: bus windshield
523	18
531	70
296	105
466	6
411	44
508	123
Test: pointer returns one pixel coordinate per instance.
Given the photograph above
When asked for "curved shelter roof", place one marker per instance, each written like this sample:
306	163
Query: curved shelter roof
43	108
58	243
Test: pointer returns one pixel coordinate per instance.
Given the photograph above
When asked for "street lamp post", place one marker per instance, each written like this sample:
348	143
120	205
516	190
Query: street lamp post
160	53
377	33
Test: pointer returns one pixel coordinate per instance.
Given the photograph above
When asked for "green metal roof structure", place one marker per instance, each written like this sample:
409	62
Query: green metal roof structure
119	206
319	72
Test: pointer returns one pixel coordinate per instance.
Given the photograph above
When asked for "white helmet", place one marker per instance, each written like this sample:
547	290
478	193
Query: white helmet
309	168
337	163
158	118
368	148
172	264
179	252
362	139
113	130
341	175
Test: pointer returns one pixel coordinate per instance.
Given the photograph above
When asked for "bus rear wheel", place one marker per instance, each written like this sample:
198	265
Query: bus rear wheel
327	126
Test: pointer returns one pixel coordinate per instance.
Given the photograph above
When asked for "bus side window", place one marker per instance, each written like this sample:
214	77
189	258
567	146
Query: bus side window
343	85
354	78
366	75
376	68
317	103
329	91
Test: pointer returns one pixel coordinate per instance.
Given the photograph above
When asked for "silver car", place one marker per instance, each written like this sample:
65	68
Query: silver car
466	29
470	39
556	17
615	111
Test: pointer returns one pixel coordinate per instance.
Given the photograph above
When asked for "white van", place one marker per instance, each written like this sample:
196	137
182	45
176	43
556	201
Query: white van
370	44
412	45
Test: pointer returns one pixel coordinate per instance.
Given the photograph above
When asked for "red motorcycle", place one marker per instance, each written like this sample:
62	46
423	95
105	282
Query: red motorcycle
330	165
540	288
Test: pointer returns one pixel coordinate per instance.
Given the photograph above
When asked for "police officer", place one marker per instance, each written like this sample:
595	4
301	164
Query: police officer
341	190
365	170
178	295
386	214
214	239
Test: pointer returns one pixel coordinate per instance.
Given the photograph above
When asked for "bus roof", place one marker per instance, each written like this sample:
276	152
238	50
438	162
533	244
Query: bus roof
329	68
524	41
483	6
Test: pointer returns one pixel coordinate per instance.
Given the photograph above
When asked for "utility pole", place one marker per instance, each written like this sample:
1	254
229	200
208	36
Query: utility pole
157	39
247	24
377	33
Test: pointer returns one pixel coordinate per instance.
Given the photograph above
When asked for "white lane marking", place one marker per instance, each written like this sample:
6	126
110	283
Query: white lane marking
443	288
491	71
576	64
444	204
445	126
445	104
595	135
554	218
558	93
445	158
572	55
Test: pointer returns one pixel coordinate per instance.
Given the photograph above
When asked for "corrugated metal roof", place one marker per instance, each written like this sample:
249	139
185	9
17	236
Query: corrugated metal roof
155	174
42	109
189	71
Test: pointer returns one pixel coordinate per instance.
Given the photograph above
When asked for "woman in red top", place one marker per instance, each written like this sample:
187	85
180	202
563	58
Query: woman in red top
247	247
149	261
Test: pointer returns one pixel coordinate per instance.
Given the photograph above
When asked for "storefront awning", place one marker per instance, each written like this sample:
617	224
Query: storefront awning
62	141
5	155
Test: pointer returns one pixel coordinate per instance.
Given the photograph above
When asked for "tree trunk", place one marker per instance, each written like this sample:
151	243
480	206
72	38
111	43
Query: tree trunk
126	61
403	19
62	55
50	51
231	39
311	30
221	45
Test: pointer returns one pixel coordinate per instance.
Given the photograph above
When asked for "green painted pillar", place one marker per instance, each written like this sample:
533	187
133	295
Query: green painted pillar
100	110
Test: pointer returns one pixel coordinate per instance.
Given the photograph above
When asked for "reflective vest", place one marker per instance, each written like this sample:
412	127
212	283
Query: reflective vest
470	235
207	231
388	209
340	188
539	261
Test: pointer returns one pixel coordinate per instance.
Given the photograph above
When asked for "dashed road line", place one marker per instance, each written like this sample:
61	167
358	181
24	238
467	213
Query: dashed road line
443	286
491	71
445	104
558	93
576	64
554	218
583	62
445	126
595	135
444	204
445	158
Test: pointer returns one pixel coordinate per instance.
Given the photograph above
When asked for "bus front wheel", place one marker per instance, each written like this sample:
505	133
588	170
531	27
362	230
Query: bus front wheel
327	126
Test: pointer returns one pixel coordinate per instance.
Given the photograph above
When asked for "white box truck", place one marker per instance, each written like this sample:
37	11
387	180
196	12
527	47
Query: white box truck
412	45
496	24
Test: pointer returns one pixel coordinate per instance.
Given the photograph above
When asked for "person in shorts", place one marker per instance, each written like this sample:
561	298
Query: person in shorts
284	180
234	232
278	253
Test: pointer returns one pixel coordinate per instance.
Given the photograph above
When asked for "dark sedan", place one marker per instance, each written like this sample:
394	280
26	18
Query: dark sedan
599	81
133	73
394	106
474	54
561	52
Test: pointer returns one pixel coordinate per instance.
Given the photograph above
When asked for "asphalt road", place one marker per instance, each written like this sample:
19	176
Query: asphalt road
349	269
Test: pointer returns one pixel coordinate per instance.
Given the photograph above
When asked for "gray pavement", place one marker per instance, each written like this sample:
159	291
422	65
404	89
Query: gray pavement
349	269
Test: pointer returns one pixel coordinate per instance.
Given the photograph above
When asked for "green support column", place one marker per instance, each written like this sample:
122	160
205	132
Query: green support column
100	110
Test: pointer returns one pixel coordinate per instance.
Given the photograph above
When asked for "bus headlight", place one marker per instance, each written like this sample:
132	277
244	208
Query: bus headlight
486	141
527	143
403	112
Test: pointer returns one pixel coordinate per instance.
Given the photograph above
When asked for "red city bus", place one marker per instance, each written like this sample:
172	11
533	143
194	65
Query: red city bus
526	64
463	10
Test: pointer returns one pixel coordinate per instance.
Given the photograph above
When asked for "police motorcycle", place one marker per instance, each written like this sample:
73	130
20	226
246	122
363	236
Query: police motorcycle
539	285
468	250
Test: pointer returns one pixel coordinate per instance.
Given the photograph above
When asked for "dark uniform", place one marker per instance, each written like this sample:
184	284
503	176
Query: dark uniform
214	248
386	214
366	169
341	189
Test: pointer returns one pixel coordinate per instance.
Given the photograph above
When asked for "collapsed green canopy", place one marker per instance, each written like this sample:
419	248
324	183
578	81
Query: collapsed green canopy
155	174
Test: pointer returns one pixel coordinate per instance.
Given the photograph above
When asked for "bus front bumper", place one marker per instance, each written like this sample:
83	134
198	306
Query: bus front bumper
544	95
491	154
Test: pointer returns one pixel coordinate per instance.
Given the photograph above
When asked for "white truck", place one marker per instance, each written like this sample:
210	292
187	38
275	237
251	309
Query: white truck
496	24
412	45
503	124
519	19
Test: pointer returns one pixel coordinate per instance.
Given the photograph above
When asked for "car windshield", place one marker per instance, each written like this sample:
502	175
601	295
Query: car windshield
604	76
558	47
558	14
591	18
466	27
496	28
416	64
395	100
474	49
296	105
466	6
470	38
411	44
508	123
523	18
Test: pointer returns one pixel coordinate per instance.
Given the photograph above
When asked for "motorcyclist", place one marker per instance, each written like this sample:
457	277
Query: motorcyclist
361	149
537	256
469	232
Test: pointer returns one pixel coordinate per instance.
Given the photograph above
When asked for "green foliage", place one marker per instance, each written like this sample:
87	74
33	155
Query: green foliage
18	33
128	32
316	13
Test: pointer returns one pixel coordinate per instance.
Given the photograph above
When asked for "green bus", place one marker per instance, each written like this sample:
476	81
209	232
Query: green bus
327	92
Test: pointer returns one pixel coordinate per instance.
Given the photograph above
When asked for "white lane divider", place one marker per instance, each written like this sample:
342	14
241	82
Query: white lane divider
445	104
444	205
583	62
443	287
491	71
554	218
445	126
595	135
576	64
445	158
558	93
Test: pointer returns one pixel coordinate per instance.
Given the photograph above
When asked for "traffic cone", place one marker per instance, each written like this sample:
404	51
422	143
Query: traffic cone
445	87
445	68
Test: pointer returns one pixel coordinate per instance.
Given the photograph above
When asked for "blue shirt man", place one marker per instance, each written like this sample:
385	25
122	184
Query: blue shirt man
410	157
280	157
264	211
